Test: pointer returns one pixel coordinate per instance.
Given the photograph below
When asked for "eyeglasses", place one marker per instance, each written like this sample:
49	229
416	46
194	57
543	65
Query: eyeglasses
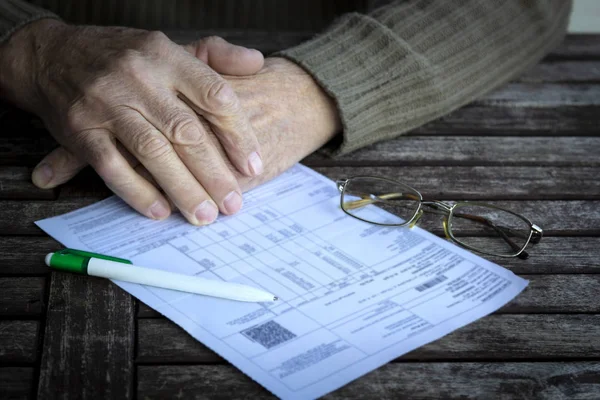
481	227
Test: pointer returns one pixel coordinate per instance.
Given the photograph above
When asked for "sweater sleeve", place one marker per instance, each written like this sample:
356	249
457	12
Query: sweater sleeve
14	14
409	62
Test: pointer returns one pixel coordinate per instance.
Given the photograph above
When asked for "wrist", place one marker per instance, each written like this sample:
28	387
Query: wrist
21	58
317	106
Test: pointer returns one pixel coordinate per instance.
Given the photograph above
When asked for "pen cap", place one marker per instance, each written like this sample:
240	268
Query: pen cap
76	261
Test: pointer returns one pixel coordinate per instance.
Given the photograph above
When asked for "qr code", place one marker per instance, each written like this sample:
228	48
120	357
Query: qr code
431	283
269	334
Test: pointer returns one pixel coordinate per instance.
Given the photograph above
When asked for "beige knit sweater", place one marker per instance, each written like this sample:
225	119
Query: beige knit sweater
404	63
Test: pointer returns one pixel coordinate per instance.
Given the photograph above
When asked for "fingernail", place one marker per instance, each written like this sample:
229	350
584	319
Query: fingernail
42	175
232	202
159	210
206	212
255	163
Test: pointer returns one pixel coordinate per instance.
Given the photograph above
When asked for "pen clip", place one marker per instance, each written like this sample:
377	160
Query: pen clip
82	253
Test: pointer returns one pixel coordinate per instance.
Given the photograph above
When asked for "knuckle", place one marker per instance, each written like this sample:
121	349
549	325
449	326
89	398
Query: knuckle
151	146
184	131
213	39
128	64
156	39
221	95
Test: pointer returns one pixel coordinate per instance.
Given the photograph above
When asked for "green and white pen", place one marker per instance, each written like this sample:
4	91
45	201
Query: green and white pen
86	263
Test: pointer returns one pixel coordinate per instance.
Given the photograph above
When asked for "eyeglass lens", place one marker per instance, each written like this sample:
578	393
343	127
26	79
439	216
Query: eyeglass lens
490	230
361	194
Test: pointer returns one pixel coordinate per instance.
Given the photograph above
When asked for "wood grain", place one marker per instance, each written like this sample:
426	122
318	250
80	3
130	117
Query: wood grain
486	183
496	337
19	342
419	381
578	47
22	296
565	218
563	72
447	182
15	183
16	382
88	340
471	150
24	256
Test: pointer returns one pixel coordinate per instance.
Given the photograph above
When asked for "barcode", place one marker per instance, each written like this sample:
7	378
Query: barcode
269	334
431	283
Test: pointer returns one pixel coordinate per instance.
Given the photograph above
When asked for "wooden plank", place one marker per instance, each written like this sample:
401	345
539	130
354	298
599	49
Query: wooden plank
564	218
496	337
447	182
417	381
486	183
88	341
21	296
16	382
18	342
506	121
519	108
578	47
562	293
18	217
563	72
542	96
557	294
557	255
15	183
24	256
471	150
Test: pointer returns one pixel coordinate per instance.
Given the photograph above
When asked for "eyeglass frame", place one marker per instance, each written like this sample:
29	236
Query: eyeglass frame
535	232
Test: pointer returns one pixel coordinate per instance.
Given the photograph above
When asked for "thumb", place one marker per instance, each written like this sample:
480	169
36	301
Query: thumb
226	58
56	168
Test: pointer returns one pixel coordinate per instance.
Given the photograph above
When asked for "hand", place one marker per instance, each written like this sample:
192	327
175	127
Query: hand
100	88
289	111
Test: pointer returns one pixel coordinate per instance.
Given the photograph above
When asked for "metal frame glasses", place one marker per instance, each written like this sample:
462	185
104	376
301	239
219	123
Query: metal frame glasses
451	213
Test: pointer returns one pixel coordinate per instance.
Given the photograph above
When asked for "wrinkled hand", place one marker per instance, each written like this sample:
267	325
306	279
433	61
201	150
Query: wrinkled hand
291	115
99	88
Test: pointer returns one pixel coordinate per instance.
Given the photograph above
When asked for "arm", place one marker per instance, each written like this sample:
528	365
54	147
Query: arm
410	62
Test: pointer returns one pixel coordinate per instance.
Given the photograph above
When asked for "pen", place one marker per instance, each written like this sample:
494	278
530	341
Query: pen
86	263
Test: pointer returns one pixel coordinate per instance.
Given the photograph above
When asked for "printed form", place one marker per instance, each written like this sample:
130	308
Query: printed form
352	295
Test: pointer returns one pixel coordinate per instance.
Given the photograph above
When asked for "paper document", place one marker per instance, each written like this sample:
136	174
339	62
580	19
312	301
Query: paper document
353	296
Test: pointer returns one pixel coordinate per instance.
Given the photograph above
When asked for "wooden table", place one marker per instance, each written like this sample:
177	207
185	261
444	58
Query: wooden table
532	145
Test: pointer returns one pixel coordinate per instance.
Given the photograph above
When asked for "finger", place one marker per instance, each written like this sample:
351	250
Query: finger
156	153
226	58
98	148
143	172
190	140
56	168
211	96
